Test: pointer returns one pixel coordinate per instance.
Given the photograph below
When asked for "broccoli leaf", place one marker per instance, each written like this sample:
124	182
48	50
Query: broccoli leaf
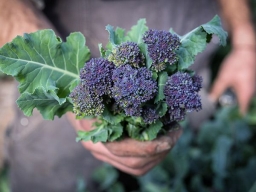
137	31
110	118
117	131
47	102
214	27
102	133
96	135
161	83
120	35
144	133
144	50
151	132
102	50
195	41
162	108
112	35
115	36
42	60
134	131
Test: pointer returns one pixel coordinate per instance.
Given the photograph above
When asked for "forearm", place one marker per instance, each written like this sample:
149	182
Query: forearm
18	17
237	19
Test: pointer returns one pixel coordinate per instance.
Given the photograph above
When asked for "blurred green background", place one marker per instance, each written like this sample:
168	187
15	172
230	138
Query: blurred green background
220	157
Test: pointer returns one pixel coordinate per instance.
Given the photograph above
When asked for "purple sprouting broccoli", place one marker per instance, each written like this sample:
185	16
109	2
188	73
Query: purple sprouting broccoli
95	81
127	53
149	115
85	104
96	76
181	94
161	46
132	87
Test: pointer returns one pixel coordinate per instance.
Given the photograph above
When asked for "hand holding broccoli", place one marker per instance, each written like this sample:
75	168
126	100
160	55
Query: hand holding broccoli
129	155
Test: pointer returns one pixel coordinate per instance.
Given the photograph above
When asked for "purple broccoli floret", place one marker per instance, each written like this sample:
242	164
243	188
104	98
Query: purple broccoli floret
161	46
181	94
95	82
149	115
132	87
96	76
85	104
127	53
197	82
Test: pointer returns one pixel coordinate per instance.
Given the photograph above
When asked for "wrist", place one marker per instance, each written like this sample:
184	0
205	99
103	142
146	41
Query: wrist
244	47
243	36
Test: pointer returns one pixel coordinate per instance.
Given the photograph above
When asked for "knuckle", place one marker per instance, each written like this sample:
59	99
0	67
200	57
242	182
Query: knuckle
135	163
87	145
151	149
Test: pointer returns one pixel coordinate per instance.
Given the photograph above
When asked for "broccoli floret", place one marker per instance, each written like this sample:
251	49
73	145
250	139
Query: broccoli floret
149	115
181	94
161	46
96	76
132	87
127	53
85	104
197	82
95	81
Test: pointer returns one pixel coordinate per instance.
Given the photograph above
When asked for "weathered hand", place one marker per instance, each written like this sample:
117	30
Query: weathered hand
238	71
131	156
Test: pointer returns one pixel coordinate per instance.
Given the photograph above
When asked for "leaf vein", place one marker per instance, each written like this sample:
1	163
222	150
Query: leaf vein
76	76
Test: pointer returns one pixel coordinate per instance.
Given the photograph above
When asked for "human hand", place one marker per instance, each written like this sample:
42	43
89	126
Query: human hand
238	71
128	155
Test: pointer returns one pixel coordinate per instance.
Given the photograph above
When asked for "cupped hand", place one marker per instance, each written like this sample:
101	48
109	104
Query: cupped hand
128	155
238	71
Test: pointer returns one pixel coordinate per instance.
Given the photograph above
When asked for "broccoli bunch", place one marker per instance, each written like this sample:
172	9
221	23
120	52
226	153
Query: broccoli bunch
123	89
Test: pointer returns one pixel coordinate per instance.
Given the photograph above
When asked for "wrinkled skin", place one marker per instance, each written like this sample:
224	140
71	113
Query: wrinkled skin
128	155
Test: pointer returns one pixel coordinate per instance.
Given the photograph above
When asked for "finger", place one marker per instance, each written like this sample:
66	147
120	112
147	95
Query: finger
218	88
244	98
134	171
80	125
130	147
132	162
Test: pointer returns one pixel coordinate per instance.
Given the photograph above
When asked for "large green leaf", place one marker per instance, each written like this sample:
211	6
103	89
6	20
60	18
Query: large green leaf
196	40
42	60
